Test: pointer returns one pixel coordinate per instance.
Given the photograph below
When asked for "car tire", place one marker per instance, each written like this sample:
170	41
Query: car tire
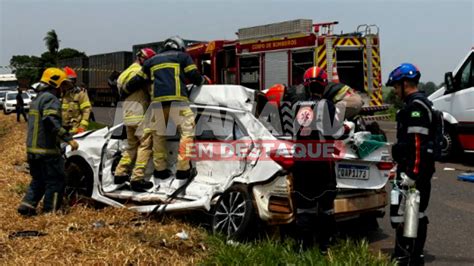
233	213
450	144
79	182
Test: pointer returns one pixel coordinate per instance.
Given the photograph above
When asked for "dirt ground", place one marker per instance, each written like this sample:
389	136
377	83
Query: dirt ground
82	234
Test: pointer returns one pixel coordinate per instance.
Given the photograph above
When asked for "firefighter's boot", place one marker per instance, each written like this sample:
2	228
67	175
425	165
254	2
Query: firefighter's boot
141	185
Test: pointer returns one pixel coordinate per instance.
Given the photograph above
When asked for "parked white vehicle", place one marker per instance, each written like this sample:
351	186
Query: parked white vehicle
456	100
233	191
9	105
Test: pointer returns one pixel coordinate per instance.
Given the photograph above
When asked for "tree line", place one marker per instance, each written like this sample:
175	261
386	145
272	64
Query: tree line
28	68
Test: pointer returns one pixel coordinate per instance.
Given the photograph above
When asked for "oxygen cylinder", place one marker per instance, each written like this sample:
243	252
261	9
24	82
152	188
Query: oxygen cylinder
412	207
394	196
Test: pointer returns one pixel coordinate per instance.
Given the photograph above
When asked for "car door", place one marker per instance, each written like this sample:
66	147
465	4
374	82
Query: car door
221	144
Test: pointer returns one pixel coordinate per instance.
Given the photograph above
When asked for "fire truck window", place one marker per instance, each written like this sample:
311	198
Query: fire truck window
350	67
250	72
206	65
301	60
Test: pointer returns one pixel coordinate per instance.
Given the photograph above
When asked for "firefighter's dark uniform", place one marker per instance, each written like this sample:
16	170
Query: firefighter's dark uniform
44	155
413	153
168	70
314	180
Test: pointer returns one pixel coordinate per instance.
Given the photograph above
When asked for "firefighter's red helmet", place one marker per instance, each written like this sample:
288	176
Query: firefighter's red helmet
275	94
70	73
146	53
315	74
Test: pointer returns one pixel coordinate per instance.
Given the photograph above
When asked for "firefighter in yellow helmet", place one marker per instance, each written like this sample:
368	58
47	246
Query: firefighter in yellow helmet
44	156
139	148
76	107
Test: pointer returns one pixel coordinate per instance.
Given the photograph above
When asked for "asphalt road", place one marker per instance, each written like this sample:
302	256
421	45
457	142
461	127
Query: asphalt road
451	211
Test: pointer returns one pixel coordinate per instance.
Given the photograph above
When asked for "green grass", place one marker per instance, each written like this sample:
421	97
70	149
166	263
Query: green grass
271	252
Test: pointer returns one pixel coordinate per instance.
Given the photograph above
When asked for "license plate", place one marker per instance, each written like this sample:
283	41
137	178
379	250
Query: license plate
349	171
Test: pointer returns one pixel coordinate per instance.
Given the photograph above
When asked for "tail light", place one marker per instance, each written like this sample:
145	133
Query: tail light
385	166
284	161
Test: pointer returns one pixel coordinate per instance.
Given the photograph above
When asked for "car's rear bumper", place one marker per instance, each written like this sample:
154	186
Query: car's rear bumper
347	205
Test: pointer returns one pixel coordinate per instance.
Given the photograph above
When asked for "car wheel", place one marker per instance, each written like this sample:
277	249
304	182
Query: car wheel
79	182
233	212
449	148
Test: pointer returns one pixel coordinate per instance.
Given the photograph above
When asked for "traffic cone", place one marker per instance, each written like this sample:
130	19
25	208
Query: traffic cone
335	76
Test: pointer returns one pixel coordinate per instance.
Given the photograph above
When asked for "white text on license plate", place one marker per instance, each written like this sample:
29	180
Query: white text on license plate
349	171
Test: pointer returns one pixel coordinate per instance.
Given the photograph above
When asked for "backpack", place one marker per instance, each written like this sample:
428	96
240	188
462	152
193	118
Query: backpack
436	129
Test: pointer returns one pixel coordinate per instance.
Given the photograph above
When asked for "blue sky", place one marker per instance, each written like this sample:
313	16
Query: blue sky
434	34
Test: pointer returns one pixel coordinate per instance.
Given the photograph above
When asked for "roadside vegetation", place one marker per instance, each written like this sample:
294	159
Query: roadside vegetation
94	235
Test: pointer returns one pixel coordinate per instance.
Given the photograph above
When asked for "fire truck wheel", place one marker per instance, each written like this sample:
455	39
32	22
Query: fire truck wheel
233	213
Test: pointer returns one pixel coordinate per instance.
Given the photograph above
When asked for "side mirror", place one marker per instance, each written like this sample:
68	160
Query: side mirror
449	82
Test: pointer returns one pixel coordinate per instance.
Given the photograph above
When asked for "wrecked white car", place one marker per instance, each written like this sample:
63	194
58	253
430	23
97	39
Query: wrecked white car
256	184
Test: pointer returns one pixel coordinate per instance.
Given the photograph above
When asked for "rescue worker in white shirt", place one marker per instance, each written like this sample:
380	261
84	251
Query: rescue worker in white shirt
42	145
139	148
168	70
415	138
76	107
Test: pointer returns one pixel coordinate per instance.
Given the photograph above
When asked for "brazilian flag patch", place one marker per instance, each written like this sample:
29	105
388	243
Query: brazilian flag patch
415	114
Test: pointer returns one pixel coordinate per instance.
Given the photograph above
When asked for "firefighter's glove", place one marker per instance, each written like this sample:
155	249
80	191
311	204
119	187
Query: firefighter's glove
406	180
74	145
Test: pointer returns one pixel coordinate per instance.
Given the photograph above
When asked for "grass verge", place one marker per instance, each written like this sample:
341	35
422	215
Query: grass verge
271	252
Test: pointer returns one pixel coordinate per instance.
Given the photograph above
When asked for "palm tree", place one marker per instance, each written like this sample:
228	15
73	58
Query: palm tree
52	42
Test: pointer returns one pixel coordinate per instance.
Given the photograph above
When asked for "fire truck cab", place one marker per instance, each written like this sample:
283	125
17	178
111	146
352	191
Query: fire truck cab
280	53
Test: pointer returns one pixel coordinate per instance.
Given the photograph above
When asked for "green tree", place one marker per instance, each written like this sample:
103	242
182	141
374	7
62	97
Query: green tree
428	87
52	44
69	53
27	68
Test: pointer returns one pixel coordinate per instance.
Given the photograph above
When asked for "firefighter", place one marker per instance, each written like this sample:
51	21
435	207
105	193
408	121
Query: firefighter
343	95
139	147
314	180
43	153
413	157
168	71
75	104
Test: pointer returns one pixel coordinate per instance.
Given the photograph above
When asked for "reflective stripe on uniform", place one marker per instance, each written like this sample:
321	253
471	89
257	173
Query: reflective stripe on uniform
42	151
139	165
189	68
341	93
176	68
65	106
85	105
170	98
84	123
159	155
416	167
50	112
125	160
133	118
419	130
396	219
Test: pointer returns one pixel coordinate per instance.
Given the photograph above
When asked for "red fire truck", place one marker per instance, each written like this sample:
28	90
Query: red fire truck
280	53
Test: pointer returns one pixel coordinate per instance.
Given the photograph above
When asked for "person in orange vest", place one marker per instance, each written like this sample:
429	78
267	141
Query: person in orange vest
75	105
139	149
